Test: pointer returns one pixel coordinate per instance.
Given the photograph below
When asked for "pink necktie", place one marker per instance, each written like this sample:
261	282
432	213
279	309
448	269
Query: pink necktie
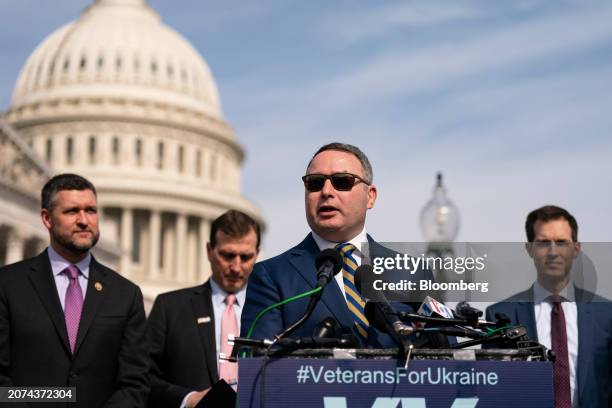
229	325
73	305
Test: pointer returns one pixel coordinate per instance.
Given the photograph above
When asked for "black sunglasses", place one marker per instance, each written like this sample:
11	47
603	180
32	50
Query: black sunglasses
340	181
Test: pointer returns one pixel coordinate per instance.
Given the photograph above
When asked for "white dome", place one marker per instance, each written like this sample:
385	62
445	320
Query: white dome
118	49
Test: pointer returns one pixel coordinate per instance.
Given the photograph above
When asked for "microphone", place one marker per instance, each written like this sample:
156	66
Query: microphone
360	277
328	264
434	312
326	328
381	315
344	341
432	308
502	319
465	311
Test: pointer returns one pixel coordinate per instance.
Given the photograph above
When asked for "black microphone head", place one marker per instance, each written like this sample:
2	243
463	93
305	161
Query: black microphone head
348	340
361	275
326	328
332	256
464	309
502	319
375	316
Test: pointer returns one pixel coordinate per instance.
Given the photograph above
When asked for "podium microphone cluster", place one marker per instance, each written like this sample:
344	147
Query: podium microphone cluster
328	264
382	315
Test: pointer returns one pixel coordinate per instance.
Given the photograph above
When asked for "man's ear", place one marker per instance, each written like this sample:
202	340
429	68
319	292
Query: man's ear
372	194
577	249
529	248
45	216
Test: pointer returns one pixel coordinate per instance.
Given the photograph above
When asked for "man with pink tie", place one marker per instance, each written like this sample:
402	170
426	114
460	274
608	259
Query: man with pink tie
188	328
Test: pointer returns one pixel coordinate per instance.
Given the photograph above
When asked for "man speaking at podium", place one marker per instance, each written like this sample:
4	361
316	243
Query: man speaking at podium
339	191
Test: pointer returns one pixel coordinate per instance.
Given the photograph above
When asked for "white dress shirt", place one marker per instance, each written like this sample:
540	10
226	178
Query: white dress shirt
543	307
58	264
360	239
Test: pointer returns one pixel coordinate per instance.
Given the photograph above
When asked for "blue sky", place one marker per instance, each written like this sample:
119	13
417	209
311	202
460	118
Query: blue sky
509	99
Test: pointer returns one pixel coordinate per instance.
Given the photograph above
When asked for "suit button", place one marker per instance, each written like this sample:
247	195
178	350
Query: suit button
73	374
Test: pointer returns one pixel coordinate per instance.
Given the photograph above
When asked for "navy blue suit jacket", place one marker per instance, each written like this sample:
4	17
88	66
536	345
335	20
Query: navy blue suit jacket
292	273
594	369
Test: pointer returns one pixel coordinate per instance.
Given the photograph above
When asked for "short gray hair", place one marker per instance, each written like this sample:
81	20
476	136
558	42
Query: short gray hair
368	173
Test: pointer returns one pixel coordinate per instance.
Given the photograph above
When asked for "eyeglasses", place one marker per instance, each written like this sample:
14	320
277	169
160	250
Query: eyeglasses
561	244
340	181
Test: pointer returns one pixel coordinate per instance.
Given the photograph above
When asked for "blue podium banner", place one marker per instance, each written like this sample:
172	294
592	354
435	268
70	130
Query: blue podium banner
337	383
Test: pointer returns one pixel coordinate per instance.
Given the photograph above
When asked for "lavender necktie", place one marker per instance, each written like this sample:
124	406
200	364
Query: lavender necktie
73	305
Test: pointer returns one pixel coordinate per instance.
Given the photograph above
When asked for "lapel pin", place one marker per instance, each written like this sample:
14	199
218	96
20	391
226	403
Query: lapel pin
202	320
98	286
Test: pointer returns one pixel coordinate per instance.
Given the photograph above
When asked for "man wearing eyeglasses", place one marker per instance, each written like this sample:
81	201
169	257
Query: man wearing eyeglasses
574	323
339	191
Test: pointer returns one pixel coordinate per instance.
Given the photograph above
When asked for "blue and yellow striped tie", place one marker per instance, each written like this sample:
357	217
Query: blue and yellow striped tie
353	298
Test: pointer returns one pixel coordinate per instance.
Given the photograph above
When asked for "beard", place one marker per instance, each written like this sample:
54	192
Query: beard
70	245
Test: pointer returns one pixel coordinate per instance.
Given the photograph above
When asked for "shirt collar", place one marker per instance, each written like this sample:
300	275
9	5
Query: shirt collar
58	263
541	294
219	294
357	241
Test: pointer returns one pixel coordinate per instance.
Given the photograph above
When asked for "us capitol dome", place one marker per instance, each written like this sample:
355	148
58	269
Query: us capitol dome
126	101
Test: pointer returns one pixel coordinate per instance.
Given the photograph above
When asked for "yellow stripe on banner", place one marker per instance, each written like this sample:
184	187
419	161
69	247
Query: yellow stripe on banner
357	313
350	263
361	331
355	296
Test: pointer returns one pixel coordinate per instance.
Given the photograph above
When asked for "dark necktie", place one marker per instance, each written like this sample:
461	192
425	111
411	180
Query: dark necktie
561	372
73	305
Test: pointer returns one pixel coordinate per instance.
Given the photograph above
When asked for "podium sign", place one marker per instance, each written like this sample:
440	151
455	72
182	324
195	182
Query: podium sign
366	383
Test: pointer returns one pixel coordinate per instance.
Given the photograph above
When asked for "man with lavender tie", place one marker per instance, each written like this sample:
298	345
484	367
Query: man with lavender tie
65	319
188	328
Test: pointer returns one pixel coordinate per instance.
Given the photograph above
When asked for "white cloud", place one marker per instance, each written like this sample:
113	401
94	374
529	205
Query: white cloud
441	68
437	67
385	19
